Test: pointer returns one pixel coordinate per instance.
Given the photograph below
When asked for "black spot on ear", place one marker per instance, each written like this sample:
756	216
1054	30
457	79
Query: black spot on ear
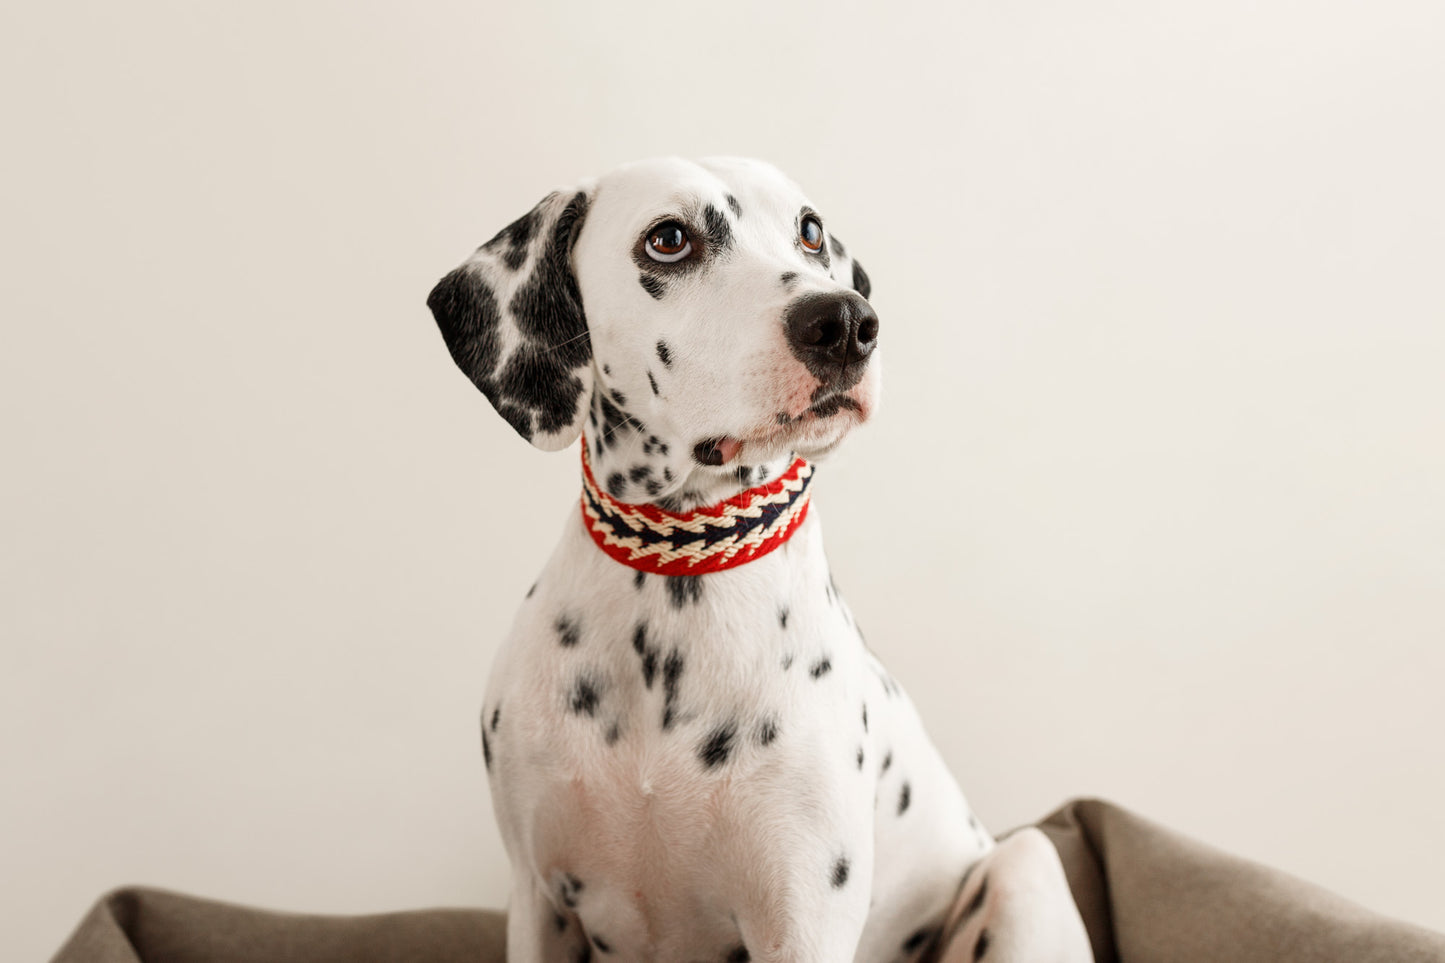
536	379
820	668
466	312
585	696
905	797
682	589
548	307
664	354
718	747
652	381
840	874
716	231
616	484
767	732
568	632
861	284
737	208
638	579
514	238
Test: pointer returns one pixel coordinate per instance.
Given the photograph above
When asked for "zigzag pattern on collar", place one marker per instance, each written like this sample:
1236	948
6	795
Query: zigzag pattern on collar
731	533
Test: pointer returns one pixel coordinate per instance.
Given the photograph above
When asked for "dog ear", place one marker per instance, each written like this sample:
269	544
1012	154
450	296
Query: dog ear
512	318
846	268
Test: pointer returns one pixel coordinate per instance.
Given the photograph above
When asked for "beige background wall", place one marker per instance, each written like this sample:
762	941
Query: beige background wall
1165	334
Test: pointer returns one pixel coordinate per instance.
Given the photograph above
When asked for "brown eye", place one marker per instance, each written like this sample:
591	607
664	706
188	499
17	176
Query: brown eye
668	243
810	232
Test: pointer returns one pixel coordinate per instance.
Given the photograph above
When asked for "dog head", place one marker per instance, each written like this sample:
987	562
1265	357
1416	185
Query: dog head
704	308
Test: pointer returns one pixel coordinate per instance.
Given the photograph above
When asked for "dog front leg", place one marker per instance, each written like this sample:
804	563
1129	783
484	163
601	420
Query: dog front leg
537	932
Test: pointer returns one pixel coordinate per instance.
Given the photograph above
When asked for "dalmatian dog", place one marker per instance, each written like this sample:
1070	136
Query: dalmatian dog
692	752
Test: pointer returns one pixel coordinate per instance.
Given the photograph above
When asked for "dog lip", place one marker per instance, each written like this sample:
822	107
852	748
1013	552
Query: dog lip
716	451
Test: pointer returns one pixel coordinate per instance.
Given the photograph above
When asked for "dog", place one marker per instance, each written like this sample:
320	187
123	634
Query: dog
692	753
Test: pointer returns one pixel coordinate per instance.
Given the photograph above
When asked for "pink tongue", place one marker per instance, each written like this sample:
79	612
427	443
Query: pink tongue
728	448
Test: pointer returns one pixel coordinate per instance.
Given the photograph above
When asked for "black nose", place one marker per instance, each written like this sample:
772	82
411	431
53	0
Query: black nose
833	335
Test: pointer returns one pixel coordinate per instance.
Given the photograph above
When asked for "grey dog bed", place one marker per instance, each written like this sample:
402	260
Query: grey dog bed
1147	895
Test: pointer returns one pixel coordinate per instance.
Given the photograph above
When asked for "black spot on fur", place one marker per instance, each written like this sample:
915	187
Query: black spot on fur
887	761
783	617
616	423
916	940
652	284
820	668
531	590
638	472
559	921
496	717
716	231
652	381
654	487
905	797
682	589
861	284
616	484
585	697
619	397
638	579
515	237
486	751
840	874
787	661
671	677
744	474
788	277
981	947
737	208
649	667
614	732
865	717
664	354
718	747
860	758
570	890
767	732
568	632
602	945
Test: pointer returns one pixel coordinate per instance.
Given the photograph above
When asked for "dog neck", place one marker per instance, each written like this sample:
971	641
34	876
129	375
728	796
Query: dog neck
733	532
640	464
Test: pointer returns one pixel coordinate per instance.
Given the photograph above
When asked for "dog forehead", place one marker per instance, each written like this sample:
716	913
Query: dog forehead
632	196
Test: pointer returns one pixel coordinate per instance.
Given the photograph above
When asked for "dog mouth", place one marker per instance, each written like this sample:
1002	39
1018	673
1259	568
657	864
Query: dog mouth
814	431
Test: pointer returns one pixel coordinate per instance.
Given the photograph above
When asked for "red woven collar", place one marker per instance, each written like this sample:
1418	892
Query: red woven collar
731	533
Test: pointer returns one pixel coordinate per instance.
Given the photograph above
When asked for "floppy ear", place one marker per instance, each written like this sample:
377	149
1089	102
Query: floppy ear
512	318
846	268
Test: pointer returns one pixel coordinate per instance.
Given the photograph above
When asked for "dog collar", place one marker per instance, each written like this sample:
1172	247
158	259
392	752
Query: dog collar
731	533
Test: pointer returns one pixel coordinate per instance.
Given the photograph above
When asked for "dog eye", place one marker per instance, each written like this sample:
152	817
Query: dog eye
810	232
668	243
